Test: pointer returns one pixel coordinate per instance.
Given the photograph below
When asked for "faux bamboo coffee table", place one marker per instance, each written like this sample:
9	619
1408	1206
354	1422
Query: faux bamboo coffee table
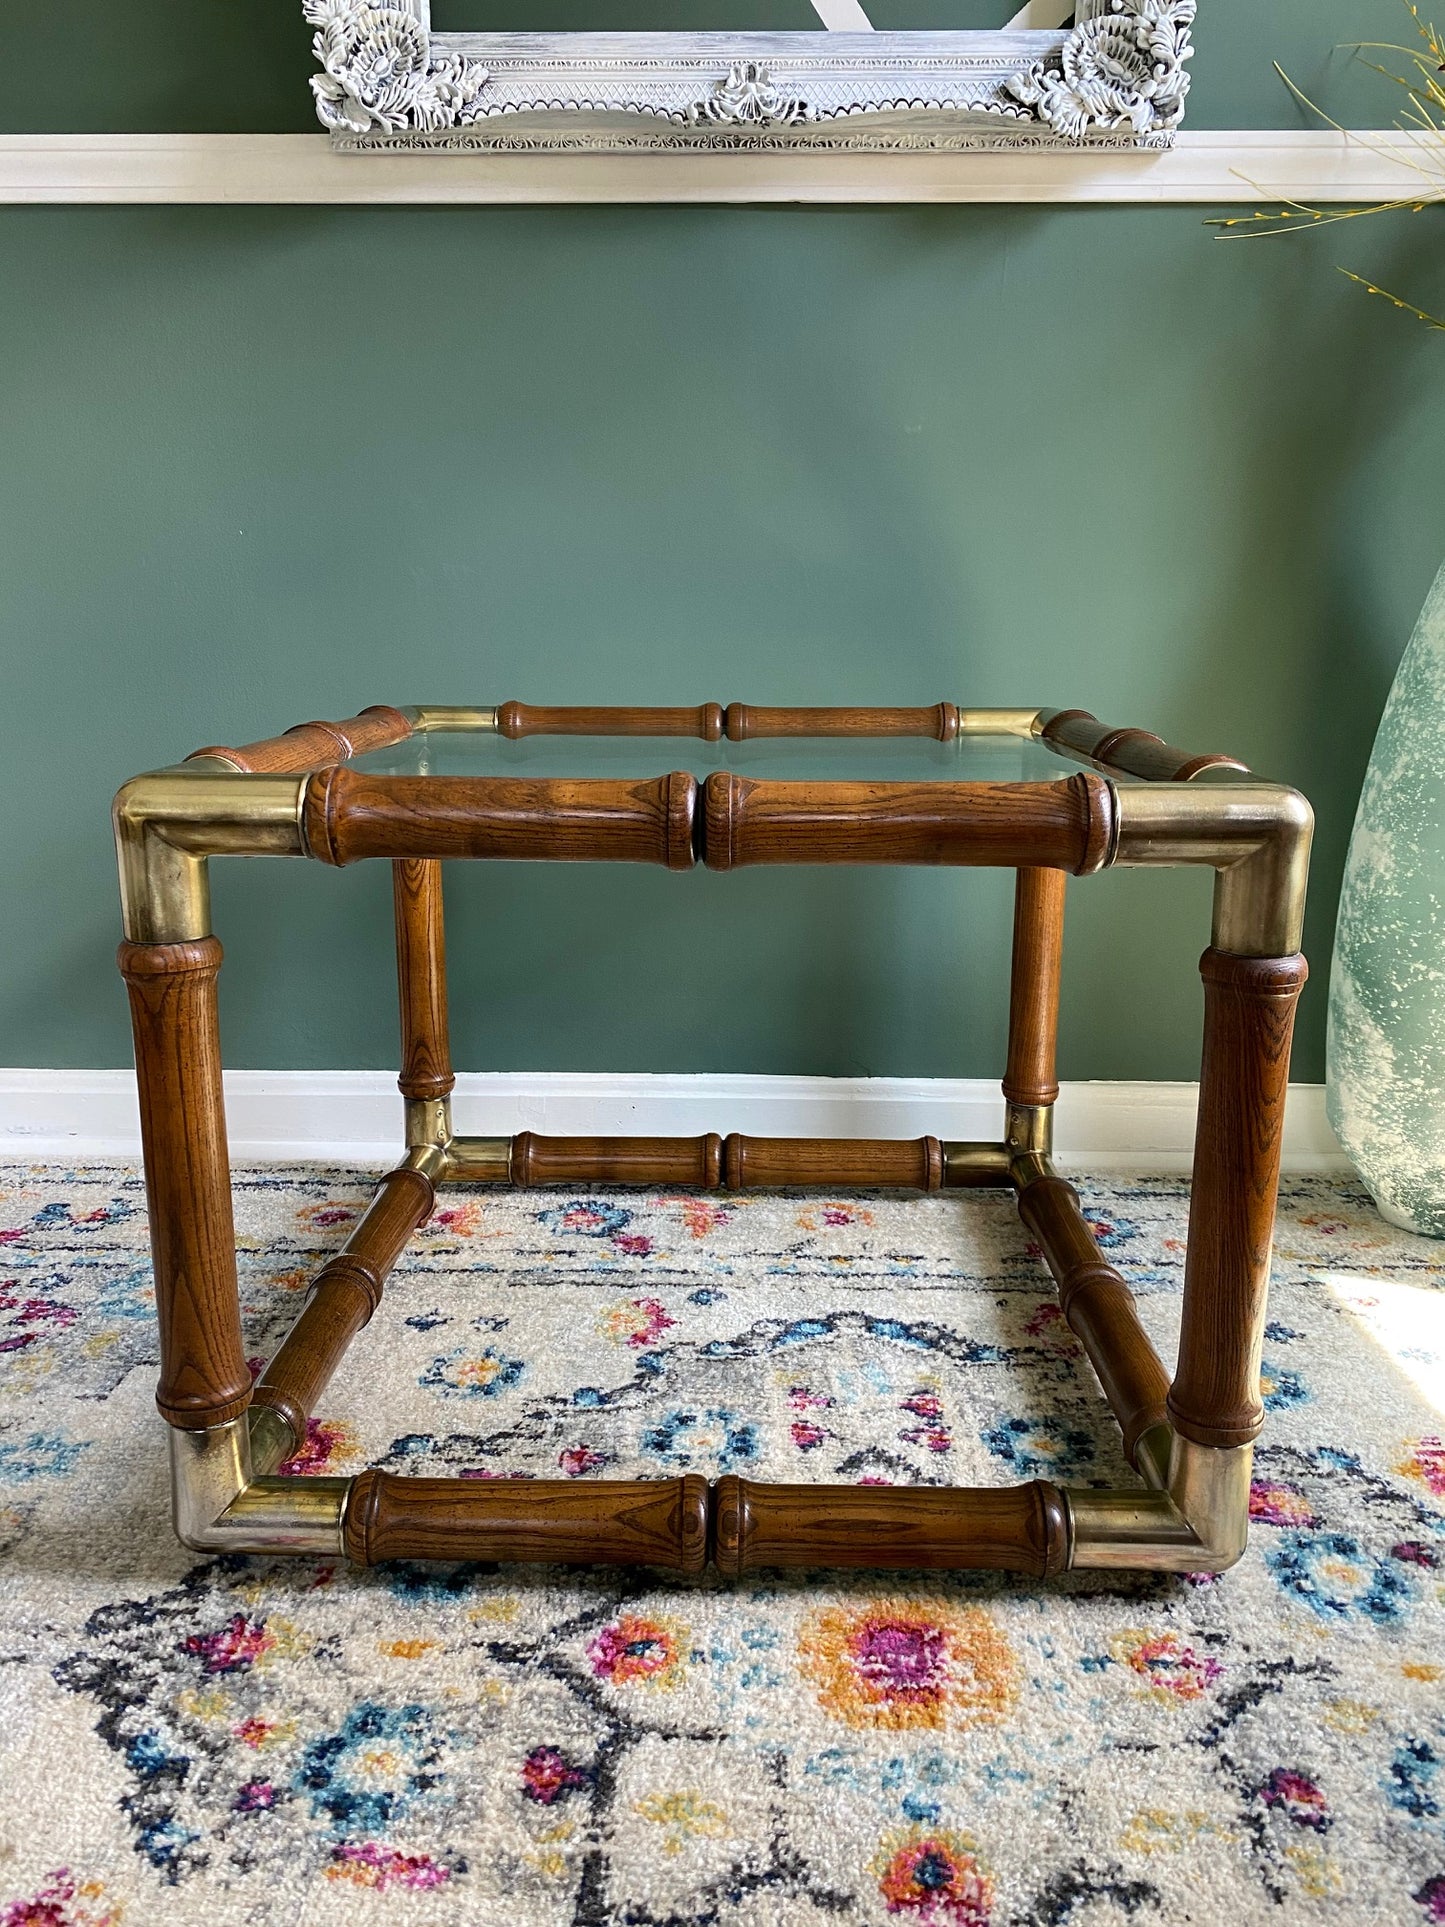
928	786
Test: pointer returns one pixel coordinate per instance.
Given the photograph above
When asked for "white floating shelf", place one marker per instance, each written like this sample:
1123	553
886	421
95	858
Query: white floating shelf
1213	167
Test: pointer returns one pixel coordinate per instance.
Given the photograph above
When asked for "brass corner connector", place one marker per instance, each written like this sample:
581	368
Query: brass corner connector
1255	835
168	822
1198	1523
428	1123
1028	1141
218	1505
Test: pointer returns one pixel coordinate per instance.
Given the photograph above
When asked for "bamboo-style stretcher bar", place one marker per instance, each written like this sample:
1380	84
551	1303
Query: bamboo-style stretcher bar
1189	1438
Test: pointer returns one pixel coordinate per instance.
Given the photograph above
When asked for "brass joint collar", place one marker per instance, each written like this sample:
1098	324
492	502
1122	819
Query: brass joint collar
1029	1130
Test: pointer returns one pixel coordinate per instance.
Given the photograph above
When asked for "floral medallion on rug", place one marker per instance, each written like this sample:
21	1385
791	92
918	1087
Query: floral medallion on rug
197	1742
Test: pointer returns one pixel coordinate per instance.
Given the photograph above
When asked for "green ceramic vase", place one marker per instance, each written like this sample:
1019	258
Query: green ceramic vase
1386	1052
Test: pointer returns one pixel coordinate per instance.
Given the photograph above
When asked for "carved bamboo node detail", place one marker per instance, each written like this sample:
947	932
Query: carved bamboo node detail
348	816
1065	825
735	1163
141	963
310	745
1133	752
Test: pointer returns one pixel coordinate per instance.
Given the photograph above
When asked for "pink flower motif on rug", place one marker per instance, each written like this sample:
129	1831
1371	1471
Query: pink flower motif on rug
1171	1669
701	1215
934	1878
1273	1503
459	1220
369	1864
1298	1798
805	1432
934	1431
909	1664
326	1217
236	1645
633	1651
1425	1461
327	1443
636	1322
548	1777
63	1901
1048	1324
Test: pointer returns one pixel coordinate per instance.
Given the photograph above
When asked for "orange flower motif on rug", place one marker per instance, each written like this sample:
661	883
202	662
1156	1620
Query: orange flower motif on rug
934	1878
909	1663
1425	1461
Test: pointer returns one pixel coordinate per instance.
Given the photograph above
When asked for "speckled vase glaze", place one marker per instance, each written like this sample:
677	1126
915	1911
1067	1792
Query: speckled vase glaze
1386	1053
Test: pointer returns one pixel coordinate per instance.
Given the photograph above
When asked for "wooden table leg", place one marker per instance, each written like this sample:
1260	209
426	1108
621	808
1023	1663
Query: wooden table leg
1033	1020
1249	1005
426	1078
204	1379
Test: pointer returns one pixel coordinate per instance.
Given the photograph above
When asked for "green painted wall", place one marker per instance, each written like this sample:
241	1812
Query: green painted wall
258	464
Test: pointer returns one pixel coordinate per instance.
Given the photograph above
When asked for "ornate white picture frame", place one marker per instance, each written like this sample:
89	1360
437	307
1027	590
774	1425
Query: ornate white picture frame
1116	77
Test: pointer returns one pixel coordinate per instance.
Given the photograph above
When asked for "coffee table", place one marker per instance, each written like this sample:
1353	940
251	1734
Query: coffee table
1048	794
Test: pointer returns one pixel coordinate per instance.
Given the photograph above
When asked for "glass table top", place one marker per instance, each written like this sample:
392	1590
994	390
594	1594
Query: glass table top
878	759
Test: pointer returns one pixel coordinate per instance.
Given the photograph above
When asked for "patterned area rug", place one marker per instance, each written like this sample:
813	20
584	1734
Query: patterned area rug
189	1742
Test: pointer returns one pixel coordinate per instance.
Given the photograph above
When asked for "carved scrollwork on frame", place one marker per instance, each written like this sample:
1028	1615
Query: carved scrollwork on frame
1121	68
379	75
1116	78
746	95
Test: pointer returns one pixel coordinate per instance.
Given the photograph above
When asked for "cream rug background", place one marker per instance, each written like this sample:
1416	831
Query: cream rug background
187	1742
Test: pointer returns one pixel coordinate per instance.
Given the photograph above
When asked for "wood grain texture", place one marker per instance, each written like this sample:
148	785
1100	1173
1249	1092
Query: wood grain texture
1010	1529
1031	1076
522	719
1098	1307
1133	752
738	1163
1249	1006
204	1378
313	745
404	1199
615	1522
768	1163
307	1357
742	721
421	975
694	1163
349	816
347	1290
1064	825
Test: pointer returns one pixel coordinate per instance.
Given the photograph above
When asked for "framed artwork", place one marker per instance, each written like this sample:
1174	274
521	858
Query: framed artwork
1113	75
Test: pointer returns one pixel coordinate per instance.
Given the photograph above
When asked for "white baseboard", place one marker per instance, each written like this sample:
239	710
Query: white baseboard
354	1117
1211	166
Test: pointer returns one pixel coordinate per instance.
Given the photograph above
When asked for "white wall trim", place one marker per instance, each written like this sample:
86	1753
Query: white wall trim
354	1117
1214	167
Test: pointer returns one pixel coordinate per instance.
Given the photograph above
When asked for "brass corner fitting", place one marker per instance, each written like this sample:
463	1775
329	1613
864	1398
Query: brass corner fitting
1256	836
168	822
434	1149
219	1505
1199	1521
